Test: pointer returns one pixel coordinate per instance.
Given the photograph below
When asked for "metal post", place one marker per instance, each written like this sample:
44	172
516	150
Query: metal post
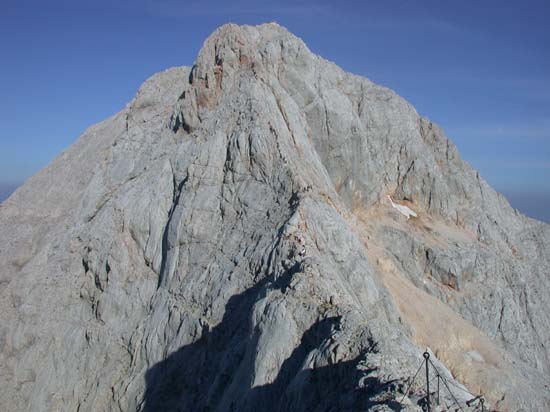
427	357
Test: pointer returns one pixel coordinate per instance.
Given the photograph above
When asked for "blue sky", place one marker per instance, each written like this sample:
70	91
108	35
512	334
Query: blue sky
480	69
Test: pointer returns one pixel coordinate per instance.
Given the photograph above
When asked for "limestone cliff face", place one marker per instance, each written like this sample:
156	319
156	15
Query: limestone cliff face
225	243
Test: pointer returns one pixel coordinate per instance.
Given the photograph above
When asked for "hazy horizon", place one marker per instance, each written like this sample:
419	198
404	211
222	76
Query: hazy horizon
534	205
481	71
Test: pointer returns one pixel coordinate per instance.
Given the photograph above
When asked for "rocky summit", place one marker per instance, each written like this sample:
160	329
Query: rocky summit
263	231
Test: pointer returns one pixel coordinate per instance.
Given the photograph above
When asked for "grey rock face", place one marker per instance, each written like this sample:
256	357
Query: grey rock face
225	243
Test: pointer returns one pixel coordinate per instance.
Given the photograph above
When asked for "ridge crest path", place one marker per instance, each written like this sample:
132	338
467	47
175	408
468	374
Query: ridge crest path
224	242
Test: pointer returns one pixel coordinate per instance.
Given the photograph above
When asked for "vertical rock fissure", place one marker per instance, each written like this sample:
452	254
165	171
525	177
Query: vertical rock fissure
165	246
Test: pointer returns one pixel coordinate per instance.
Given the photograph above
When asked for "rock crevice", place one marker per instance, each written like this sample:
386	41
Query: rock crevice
225	243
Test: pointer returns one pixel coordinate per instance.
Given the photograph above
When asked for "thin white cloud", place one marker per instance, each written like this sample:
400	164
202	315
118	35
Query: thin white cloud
533	87
503	131
508	163
526	164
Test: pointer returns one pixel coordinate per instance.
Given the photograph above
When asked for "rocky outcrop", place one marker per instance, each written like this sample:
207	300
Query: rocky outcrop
225	243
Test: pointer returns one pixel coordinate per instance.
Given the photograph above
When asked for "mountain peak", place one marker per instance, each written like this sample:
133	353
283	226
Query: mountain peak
236	237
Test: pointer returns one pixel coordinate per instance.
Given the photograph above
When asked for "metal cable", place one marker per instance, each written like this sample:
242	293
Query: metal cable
451	382
410	384
447	386
456	385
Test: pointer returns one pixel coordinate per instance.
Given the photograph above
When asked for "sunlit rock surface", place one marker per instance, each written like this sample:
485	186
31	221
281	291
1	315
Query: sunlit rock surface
225	243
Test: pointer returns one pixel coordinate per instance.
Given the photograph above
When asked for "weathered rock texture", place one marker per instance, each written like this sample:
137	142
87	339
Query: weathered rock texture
225	243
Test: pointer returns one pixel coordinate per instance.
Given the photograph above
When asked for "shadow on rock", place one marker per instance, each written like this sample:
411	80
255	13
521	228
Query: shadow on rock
215	373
